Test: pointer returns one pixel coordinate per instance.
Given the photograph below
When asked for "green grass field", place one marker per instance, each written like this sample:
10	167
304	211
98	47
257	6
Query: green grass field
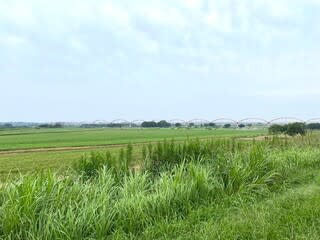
196	189
219	186
47	138
21	149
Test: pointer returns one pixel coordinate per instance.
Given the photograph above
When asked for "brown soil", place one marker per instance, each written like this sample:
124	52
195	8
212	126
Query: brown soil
259	138
262	138
57	149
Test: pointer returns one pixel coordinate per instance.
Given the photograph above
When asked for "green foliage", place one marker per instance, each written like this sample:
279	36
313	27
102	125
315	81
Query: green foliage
49	125
296	128
277	129
89	165
153	124
248	172
225	189
163	124
150	124
211	124
313	126
290	129
76	137
6	125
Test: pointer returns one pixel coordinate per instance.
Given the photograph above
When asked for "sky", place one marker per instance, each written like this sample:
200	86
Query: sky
80	60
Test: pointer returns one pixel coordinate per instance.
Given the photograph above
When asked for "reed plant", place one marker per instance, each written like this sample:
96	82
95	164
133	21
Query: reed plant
179	185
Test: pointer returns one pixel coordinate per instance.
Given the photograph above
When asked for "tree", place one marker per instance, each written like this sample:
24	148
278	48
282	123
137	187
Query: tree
149	124
290	129
241	125
277	129
211	124
47	125
313	126
178	125
163	124
227	125
57	125
296	128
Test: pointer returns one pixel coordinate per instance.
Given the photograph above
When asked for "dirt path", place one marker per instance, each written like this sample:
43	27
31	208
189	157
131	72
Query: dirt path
258	138
57	149
262	138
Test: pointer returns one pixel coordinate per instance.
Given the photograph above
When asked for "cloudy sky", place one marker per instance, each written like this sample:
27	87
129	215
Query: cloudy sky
76	60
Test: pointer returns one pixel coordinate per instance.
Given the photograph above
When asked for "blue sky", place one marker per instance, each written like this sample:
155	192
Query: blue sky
82	60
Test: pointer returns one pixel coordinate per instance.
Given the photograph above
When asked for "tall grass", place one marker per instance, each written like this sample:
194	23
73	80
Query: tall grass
88	165
176	180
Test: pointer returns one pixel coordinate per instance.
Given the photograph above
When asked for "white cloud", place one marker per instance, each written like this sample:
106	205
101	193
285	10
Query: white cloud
162	13
289	93
113	13
17	12
280	8
12	40
202	46
78	45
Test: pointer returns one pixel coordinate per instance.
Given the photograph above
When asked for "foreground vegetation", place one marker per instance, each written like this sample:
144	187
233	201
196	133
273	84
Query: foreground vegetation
217	189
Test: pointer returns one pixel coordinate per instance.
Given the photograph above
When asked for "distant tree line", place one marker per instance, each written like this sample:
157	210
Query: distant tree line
313	126
6	125
50	125
104	125
290	129
153	124
293	128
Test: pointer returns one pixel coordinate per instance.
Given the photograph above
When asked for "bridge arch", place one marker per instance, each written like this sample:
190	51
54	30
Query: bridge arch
253	120
177	120
198	121
284	120
100	122
120	123
222	121
136	122
313	120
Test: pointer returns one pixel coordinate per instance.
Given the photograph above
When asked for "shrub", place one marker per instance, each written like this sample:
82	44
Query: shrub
296	128
290	129
149	124
90	164
277	129
313	126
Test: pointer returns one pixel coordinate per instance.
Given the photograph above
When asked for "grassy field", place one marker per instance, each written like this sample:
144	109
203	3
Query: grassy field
53	138
25	150
211	189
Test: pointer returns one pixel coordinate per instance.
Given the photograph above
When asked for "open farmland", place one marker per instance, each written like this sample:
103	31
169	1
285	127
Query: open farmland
215	188
77	137
25	150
